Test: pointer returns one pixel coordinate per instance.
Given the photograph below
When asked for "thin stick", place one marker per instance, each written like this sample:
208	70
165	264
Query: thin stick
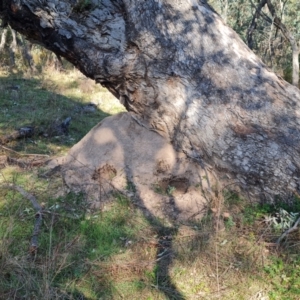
36	231
38	215
288	232
26	195
217	268
22	154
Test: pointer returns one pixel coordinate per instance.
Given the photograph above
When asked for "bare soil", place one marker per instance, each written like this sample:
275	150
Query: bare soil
119	154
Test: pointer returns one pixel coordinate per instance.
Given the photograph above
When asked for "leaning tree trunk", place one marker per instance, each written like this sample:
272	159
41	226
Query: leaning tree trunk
186	75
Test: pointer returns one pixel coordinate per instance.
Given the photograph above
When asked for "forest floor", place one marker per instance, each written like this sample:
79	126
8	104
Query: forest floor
116	251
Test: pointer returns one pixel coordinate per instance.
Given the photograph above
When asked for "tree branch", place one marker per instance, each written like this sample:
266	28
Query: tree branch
288	35
288	232
38	215
253	23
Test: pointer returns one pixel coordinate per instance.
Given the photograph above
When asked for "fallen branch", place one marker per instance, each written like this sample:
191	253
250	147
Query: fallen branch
22	154
38	215
24	132
26	163
57	128
288	232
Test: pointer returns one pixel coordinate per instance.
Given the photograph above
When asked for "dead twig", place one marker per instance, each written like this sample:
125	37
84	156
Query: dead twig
23	132
22	154
26	163
288	232
38	216
26	195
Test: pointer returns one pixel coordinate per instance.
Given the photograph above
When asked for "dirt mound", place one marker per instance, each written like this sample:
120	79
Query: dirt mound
120	154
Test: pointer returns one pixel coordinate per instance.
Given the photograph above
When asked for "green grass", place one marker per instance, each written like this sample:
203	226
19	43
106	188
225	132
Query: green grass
285	278
73	242
45	101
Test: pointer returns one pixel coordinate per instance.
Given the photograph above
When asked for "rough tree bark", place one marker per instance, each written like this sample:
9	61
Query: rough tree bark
3	39
186	75
13	48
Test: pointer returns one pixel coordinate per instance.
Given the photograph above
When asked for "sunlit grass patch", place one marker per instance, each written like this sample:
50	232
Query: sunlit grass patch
72	242
44	101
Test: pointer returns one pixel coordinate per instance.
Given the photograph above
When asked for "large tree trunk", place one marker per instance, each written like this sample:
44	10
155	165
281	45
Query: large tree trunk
186	75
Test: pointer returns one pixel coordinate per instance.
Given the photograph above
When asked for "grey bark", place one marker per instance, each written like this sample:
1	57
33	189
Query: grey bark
26	53
186	75
13	48
16	40
3	39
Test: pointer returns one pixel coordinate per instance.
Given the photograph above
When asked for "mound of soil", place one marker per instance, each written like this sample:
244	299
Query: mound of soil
119	154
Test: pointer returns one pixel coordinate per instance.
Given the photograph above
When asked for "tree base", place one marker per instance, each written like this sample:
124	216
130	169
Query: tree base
120	155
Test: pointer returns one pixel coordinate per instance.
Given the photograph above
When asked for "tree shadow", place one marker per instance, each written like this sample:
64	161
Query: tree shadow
164	258
105	157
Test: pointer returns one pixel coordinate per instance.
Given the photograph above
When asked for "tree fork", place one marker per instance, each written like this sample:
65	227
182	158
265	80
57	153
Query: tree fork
184	74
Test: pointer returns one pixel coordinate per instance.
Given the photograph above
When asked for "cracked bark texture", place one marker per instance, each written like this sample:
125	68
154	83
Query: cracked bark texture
184	74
